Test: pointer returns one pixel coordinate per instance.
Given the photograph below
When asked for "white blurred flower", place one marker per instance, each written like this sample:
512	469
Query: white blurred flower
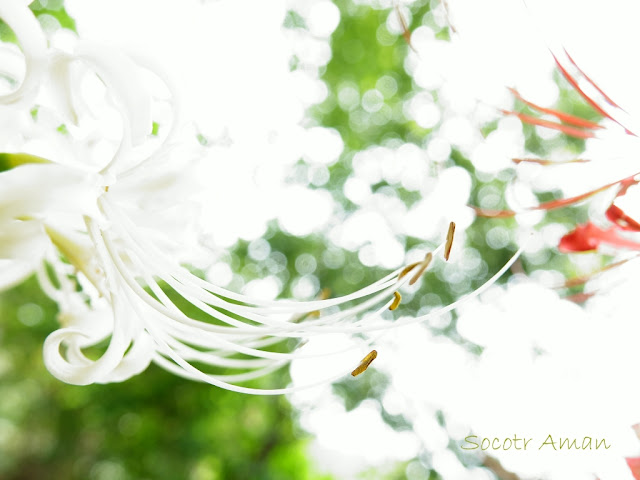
103	219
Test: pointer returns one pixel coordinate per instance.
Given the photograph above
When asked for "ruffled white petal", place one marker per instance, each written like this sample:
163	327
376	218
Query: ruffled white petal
116	364
13	272
121	76
32	42
45	190
60	81
22	240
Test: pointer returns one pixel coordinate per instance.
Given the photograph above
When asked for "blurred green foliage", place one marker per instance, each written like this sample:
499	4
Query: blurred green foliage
155	426
50	13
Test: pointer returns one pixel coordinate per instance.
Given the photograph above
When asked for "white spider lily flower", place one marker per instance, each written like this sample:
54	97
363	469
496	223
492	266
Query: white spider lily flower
91	232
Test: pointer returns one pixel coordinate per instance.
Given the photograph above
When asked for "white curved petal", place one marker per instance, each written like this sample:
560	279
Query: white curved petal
22	240
121	76
33	44
13	272
77	369
135	361
95	323
45	189
74	371
59	79
11	63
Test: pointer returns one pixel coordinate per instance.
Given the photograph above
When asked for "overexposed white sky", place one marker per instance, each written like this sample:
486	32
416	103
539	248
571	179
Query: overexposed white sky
229	61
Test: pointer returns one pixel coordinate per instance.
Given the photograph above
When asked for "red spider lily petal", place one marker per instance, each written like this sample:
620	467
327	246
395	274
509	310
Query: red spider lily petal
621	219
579	240
588	237
488	213
565	117
566	129
550	205
575	281
634	466
580	297
545	162
591	101
593	84
574	84
565	202
626	183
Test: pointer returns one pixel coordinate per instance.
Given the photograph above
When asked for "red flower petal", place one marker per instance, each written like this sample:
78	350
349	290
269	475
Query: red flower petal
622	220
580	297
634	466
624	185
581	280
579	240
588	237
604	95
545	162
565	117
566	129
574	83
488	213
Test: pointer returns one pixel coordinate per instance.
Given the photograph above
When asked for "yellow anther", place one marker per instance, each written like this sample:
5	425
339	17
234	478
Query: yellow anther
364	363
407	269
397	298
421	268
447	246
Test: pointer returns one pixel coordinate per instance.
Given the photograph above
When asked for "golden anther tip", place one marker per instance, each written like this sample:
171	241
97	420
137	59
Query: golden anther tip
397	298
407	269
449	244
364	363
423	266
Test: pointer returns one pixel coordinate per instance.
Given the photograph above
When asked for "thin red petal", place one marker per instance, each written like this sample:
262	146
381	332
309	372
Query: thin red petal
545	162
565	117
622	220
634	466
604	95
588	237
580	297
590	100
626	183
581	280
574	84
485	212
579	240
566	129
565	202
